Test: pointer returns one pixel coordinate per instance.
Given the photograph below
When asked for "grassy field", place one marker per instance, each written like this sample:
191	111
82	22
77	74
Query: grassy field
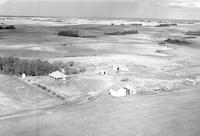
43	41
147	115
74	87
17	96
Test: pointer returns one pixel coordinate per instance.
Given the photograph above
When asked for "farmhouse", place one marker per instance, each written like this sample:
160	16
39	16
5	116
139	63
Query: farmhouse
58	75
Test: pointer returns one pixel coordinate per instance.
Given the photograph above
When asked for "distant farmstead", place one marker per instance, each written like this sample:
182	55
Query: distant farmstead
117	68
58	75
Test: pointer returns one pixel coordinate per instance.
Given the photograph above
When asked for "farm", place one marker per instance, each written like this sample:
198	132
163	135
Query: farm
57	78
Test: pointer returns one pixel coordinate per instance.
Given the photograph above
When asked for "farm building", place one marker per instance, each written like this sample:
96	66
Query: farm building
117	68
125	90
103	72
58	75
23	76
130	89
119	93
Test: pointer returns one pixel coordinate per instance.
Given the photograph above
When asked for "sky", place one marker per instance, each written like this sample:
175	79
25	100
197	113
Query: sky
165	9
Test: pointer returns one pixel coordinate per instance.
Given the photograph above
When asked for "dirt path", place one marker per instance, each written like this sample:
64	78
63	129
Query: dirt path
174	114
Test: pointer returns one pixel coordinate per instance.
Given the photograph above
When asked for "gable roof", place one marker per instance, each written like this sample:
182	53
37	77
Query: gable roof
57	75
128	87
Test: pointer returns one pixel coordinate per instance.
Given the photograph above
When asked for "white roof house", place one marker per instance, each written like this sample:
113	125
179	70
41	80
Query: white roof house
58	75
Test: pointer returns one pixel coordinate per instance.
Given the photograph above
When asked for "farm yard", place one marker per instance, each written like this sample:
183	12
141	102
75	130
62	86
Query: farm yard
154	66
72	88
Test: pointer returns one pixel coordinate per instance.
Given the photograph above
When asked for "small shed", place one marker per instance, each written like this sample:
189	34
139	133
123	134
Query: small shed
103	72
23	76
117	68
58	75
129	90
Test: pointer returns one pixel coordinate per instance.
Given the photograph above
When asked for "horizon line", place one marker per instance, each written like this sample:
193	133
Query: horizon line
151	18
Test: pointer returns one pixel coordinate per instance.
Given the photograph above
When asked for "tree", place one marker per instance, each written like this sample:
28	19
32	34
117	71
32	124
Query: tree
13	65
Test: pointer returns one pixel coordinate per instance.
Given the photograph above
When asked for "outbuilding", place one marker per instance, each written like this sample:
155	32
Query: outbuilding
58	75
129	90
103	72
118	68
23	76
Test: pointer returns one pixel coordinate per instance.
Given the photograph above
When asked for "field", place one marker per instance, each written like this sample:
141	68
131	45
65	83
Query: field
18	97
162	65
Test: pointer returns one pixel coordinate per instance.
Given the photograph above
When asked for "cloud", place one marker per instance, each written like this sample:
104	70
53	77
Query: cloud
2	1
179	3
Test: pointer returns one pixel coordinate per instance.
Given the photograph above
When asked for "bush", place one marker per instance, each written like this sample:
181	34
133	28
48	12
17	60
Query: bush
82	69
10	27
195	33
60	64
166	25
69	67
136	24
42	87
7	27
69	63
176	41
123	32
74	70
69	33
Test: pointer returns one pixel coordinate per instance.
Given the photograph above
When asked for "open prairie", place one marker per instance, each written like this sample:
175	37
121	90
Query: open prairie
162	62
